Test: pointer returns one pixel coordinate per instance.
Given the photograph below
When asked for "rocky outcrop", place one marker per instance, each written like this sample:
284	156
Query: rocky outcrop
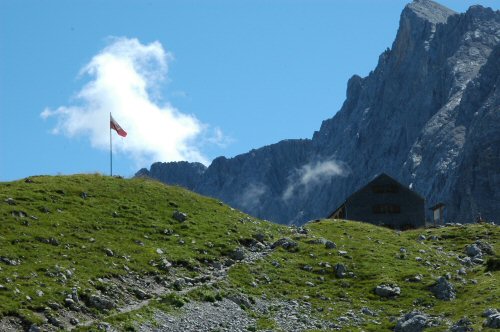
428	115
180	173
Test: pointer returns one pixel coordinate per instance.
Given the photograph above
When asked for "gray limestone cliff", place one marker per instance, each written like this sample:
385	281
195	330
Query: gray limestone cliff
428	115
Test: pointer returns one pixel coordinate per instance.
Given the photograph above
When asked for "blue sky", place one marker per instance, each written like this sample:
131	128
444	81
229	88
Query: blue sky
211	78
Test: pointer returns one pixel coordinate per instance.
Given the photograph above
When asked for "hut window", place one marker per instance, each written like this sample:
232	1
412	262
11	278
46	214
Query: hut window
382	189
386	208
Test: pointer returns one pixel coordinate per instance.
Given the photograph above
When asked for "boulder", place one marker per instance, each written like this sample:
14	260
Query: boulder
179	216
238	254
240	300
473	250
340	270
463	325
285	243
443	289
493	321
307	268
414	321
485	247
179	284
10	201
387	291
330	244
100	302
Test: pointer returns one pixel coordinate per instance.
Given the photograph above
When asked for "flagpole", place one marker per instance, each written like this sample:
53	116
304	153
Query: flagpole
110	147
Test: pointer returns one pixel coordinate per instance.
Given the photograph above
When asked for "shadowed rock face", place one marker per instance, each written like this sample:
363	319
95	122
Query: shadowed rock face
428	115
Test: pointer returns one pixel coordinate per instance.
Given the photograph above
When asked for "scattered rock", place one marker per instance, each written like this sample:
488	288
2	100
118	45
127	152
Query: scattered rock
10	201
54	321
473	250
340	270
100	302
3	288
19	214
179	284
74	321
443	289
415	278
465	261
330	244
388	291
179	216
238	254
159	251
229	262
54	305
259	237
493	321
240	300
478	260
489	312
83	195
44	209
53	241
109	252
421	237
368	312
485	247
310	284
285	243
307	268
302	230
140	294
414	321
34	328
9	261
463	325
164	265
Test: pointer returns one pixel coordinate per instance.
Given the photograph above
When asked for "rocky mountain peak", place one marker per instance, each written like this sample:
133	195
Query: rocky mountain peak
427	115
429	11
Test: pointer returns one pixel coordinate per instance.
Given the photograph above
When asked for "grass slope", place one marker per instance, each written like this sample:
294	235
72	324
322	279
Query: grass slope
57	235
56	240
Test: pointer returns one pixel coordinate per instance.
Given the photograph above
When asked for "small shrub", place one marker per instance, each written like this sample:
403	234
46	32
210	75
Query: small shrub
493	264
173	300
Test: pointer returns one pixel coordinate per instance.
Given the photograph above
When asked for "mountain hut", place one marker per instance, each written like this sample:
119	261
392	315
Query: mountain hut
386	202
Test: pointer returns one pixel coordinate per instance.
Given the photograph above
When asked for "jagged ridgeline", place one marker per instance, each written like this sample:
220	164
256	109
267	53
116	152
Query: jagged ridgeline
89	252
427	115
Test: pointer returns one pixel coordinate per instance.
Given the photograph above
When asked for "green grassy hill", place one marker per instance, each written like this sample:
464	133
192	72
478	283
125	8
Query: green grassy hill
77	251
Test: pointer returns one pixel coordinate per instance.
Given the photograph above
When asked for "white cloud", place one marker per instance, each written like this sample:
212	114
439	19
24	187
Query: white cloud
312	174
250	198
125	77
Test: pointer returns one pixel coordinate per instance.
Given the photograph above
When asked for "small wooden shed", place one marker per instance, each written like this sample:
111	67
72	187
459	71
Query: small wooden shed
438	214
384	201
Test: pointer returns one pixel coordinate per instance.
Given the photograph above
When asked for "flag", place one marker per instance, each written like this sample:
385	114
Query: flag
114	125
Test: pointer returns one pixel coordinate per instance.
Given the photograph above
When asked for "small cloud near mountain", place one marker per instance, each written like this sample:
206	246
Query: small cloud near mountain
124	80
312	174
250	198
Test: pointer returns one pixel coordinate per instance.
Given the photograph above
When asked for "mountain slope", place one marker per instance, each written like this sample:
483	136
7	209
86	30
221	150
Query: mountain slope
89	252
427	115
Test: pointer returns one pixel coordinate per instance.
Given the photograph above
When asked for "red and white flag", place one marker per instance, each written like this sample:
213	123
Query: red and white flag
114	125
